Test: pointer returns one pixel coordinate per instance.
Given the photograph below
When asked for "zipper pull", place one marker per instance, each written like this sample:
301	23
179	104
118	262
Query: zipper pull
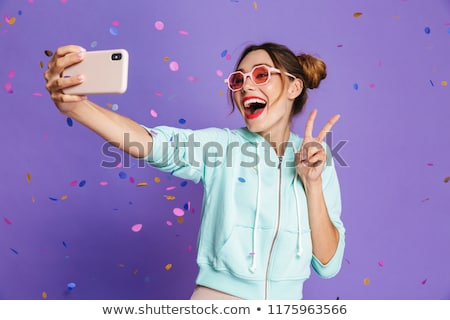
279	163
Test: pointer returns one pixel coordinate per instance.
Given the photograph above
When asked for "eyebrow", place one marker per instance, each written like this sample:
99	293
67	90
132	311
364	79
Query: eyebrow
258	64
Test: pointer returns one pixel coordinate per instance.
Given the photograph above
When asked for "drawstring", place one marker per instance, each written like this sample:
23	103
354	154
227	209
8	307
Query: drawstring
299	221
255	227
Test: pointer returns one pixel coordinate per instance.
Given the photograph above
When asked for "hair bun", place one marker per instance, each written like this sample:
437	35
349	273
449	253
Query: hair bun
314	70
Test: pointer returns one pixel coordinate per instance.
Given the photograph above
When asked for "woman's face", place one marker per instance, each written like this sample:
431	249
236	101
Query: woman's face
265	108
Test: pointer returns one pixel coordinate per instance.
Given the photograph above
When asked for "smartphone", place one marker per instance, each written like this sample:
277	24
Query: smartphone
105	72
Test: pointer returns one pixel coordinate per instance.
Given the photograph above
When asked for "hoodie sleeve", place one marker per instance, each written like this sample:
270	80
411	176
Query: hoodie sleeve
332	195
183	152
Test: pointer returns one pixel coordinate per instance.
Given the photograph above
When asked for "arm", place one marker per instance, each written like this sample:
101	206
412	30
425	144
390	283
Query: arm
121	131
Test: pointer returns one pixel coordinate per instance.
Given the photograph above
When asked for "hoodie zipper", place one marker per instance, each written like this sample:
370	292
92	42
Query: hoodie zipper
266	287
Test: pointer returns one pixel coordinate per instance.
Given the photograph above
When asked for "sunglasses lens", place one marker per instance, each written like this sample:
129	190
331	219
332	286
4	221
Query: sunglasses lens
236	81
260	75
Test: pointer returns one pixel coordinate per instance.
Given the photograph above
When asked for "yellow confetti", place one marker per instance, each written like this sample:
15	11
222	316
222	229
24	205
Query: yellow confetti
221	93
169	197
64	197
33	200
44	295
12	20
28	177
366	281
255	5
41	64
357	14
180	220
157	179
444	83
142	184
447	179
166	58
109	105
168	266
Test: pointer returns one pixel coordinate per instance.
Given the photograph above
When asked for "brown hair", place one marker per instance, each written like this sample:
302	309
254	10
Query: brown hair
309	69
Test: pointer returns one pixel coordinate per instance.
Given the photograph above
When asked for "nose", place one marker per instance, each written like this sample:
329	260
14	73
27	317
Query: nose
248	83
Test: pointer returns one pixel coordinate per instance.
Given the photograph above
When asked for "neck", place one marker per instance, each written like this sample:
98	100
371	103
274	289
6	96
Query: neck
278	140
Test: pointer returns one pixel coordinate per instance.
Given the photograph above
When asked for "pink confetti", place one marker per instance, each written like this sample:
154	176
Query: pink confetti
7	221
424	281
158	94
37	94
170	188
192	79
119	165
153	113
372	85
219	73
8	86
228	57
381	263
430	164
189	248
178	212
159	25
115	23
183	32
137	227
340	45
103	183
73	183
132	180
173	66
169	223
11	74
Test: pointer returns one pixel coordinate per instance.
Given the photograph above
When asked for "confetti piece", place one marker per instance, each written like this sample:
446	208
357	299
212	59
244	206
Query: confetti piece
447	179
73	183
114	31
181	121
169	197
228	56
14	250
122	175
168	266
9	20
159	25
166	59
180	220
186	206
381	263
174	66
41	64
432	84
37	94
7	221
103	183
192	79
44	295
189	248
153	113
424	281
115	23
48	53
28	177
357	14
64	244
183	183
430	164
53	199
178	212
427	30
136	227
82	183
183	32
131	180
69	122
8	87
366	281
157	179
242	180
169	223
219	73
142	184
64	197
170	188
372	85
94	44
255	5
71	286
11	74
340	45
223	54
444	83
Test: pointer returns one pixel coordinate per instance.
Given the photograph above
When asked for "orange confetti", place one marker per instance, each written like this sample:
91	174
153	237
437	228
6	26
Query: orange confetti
168	266
64	197
166	58
255	5
444	83
142	184
357	14
44	295
41	64
33	199
12	20
28	177
366	281
447	179
180	220
170	197
157	179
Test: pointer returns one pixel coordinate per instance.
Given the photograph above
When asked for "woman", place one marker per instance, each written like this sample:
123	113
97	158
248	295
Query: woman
272	204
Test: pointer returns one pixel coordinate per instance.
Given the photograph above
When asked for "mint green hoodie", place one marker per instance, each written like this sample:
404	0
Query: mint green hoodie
254	240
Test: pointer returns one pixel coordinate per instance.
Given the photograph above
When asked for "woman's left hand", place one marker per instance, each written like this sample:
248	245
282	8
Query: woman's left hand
311	158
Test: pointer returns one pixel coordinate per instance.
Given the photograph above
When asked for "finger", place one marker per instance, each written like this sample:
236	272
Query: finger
65	50
65	57
327	127
61	97
310	124
59	84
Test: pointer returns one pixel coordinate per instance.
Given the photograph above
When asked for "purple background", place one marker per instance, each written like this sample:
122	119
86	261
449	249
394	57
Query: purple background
387	77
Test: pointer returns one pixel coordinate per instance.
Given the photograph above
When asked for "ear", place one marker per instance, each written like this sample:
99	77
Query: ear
295	88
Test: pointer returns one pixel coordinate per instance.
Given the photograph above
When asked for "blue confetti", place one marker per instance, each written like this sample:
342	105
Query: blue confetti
69	122
19	12
82	183
114	31
355	86
64	244
427	30
182	121
186	206
432	84
15	251
122	175
223	53
183	183
71	286
53	199
241	179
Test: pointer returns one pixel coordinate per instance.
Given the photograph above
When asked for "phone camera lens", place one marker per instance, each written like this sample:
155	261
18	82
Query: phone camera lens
116	56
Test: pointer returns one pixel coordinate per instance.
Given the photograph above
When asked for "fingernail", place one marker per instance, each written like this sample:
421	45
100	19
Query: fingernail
82	49
80	77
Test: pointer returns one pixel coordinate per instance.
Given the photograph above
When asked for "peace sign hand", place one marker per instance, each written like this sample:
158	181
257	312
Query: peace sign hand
311	158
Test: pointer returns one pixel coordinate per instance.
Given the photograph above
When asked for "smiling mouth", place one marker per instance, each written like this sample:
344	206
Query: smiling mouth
254	107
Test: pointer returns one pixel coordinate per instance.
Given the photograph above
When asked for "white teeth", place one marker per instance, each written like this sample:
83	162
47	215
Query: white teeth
248	102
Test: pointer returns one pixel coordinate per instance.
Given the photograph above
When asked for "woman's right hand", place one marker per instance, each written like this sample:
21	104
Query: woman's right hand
55	83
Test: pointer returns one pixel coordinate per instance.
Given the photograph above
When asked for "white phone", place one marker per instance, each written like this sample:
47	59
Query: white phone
105	72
